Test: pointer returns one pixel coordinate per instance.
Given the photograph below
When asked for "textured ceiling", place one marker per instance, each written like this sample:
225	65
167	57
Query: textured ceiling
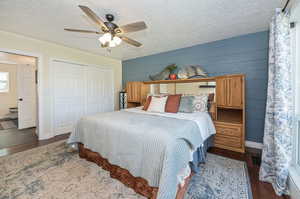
172	24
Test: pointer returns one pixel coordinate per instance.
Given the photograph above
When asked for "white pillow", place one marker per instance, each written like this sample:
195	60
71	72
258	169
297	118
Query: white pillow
157	104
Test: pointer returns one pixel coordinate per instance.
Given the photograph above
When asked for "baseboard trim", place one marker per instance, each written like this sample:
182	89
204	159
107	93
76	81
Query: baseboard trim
256	145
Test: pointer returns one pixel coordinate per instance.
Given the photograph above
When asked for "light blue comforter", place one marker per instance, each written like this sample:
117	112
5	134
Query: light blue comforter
153	147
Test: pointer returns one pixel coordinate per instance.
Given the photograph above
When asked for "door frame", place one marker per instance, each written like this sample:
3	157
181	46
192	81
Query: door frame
39	103
51	77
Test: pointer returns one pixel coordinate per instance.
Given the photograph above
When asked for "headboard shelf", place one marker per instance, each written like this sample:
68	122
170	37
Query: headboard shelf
206	79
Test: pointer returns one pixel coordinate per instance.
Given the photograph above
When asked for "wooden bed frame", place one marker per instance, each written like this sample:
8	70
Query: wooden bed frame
138	184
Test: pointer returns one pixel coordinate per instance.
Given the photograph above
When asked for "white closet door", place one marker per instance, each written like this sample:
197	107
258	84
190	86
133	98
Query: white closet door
108	91
99	95
69	95
78	91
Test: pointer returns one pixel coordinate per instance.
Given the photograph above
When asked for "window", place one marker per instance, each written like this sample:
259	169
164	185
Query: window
294	171
297	87
296	63
4	82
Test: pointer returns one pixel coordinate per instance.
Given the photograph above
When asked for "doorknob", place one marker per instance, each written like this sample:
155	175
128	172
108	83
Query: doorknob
20	99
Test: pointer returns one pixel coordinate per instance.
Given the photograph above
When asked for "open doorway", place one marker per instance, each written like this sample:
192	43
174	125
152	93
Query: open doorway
18	100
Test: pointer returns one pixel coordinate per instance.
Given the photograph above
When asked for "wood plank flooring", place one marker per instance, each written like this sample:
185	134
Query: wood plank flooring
260	190
14	137
33	144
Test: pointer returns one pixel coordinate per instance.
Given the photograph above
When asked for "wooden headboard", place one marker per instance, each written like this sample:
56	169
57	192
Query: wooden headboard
185	88
227	109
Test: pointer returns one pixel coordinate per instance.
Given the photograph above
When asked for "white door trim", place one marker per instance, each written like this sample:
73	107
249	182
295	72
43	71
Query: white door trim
40	104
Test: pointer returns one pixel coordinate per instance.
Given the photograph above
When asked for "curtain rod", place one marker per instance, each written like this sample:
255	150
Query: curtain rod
285	6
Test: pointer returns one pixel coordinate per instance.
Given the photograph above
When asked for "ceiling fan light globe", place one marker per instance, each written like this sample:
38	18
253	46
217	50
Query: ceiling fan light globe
107	37
117	40
112	44
101	40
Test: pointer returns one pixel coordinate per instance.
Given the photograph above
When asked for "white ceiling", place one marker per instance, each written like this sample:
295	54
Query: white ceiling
172	24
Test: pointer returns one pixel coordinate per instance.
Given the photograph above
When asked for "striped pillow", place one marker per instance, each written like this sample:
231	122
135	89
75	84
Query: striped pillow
158	104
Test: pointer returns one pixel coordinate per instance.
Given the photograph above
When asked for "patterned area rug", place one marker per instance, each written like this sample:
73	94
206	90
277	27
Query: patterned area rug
51	172
220	178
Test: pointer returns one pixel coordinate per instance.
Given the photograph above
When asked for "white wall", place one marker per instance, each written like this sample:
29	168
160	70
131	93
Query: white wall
47	51
9	99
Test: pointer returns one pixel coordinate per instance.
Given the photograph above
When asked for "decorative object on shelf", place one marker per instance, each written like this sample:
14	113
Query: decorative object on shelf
173	76
188	72
123	99
164	74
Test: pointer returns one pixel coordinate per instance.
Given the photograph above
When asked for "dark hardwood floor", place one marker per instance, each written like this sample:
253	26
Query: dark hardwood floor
260	190
14	137
33	144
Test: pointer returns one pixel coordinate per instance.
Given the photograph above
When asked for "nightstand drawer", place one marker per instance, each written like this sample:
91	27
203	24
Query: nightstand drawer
229	130
228	141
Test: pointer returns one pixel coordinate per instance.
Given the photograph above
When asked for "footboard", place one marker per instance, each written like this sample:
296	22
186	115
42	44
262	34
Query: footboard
138	184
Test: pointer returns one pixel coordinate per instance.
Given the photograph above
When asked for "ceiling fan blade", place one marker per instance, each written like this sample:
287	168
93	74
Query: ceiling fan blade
131	41
99	22
133	27
81	31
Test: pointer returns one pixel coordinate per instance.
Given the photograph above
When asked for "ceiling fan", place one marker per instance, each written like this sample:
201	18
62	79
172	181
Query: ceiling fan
112	33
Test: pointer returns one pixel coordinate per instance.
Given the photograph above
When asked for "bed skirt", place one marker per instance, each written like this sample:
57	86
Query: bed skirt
138	184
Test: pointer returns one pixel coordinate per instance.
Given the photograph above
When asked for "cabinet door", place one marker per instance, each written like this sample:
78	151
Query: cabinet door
133	90
145	88
221	91
235	92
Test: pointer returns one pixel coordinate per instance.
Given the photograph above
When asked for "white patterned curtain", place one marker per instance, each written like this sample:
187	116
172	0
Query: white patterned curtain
277	150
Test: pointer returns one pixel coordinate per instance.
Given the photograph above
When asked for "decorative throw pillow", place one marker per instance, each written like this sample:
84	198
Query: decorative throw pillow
147	103
200	103
157	104
172	104
186	104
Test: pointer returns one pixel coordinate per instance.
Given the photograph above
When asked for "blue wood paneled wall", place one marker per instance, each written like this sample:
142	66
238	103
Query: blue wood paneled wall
246	54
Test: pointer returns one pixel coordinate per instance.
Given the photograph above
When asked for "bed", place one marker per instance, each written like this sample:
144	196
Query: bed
153	153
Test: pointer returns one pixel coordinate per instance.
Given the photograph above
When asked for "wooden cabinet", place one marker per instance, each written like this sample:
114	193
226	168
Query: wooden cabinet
229	136
221	90
230	122
136	93
230	91
133	90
